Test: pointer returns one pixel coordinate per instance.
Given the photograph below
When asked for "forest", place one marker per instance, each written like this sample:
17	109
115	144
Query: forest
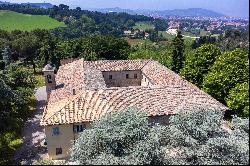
217	66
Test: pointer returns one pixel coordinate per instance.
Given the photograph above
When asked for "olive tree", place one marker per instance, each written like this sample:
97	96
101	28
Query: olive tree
118	138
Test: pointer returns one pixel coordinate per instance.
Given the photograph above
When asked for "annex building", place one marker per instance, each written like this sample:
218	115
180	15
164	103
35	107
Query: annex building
84	91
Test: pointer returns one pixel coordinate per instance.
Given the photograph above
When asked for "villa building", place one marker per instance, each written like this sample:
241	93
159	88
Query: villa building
84	91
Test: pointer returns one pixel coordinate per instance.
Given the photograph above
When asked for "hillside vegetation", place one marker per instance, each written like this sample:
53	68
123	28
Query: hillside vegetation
143	25
10	21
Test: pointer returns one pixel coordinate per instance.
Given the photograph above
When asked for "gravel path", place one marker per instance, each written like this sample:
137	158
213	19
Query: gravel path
33	134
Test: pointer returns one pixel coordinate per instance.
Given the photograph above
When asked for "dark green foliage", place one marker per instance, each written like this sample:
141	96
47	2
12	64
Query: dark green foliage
16	89
203	40
178	53
234	39
229	69
20	77
197	63
238	99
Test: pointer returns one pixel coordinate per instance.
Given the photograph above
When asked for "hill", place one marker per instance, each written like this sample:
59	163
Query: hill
17	21
191	12
39	5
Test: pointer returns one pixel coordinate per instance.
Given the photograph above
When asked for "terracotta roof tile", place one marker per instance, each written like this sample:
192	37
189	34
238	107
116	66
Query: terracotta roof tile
168	93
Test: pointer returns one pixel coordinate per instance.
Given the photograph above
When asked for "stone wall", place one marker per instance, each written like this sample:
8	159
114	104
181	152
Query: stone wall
145	81
122	78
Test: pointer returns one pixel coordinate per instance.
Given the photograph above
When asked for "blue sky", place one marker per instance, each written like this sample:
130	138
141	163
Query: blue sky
237	8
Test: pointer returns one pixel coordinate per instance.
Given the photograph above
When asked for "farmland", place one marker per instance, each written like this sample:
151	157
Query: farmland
10	21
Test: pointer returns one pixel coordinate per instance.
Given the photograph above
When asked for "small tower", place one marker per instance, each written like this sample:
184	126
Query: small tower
49	75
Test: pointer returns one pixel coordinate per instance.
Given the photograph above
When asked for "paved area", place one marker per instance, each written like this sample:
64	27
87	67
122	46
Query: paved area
33	134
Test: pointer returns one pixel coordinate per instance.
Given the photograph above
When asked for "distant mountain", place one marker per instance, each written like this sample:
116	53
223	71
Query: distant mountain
1	2
191	12
40	5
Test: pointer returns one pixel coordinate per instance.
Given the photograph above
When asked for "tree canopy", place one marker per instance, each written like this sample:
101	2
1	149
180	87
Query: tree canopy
198	63
194	136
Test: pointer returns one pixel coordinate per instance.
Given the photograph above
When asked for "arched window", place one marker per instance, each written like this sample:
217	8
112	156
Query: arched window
49	79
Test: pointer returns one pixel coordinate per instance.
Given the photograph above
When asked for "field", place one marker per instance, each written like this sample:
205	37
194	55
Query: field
133	42
143	25
10	21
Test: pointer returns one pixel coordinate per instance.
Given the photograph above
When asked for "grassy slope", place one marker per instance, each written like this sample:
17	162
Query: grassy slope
143	25
17	21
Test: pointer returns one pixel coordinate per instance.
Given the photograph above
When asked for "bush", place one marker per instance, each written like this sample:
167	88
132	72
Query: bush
118	138
43	162
194	137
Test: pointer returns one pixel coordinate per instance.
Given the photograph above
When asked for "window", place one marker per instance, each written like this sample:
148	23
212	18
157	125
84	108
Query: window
49	79
127	75
58	151
110	77
55	131
79	128
135	76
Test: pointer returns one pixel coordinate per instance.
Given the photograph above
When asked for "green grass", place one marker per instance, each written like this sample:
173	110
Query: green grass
10	21
40	80
143	25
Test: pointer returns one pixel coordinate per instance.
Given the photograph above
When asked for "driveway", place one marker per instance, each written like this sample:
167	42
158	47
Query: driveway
33	134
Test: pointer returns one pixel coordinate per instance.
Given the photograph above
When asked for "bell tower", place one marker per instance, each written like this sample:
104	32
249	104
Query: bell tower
50	82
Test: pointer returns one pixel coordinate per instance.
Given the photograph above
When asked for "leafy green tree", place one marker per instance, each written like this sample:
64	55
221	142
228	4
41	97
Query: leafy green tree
27	47
20	77
118	138
238	99
178	52
197	63
229	69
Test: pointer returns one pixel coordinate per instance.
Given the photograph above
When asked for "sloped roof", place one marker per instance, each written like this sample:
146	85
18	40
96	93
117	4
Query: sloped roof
168	94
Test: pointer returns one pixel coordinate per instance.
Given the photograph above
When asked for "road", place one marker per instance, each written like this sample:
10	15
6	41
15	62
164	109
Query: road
33	134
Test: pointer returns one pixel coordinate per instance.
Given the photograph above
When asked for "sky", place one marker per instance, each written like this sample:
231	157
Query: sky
234	8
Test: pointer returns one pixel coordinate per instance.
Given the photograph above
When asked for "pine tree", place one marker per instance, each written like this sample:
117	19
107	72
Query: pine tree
178	52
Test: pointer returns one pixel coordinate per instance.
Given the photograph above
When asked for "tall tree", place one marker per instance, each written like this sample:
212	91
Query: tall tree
178	52
197	63
229	69
27	47
238	99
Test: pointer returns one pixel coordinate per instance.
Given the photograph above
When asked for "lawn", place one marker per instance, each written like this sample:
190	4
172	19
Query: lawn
10	21
143	25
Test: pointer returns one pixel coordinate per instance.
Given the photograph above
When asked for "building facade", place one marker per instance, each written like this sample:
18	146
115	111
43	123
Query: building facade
83	91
